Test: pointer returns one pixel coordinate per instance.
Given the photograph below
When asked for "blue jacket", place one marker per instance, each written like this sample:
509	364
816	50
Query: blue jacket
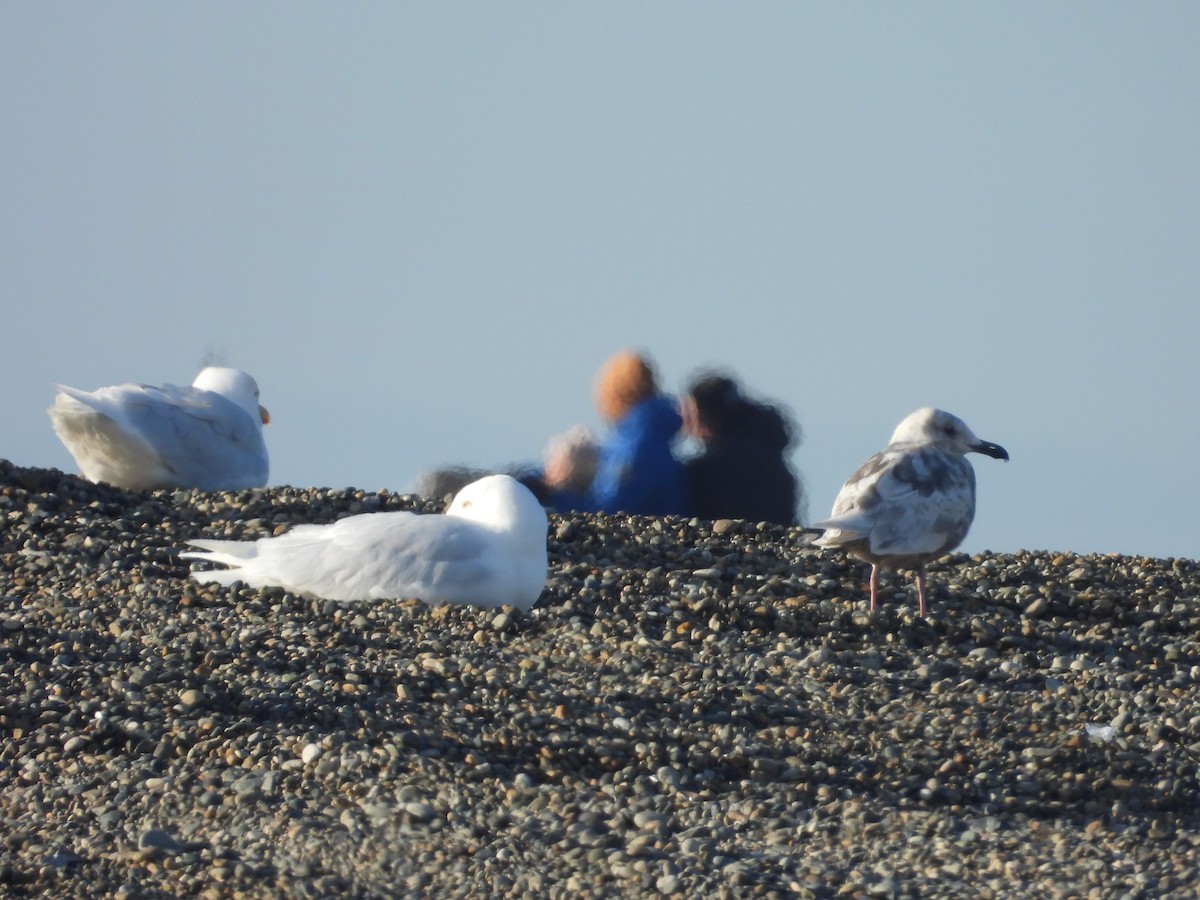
638	473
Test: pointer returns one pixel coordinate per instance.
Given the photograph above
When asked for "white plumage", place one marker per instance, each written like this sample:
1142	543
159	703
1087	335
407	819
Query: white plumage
488	549
206	436
912	501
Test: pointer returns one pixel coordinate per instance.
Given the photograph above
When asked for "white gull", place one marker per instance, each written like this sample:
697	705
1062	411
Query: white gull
136	436
488	549
912	501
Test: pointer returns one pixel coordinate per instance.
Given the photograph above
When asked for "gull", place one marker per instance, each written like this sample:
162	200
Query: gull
912	501
487	549
207	436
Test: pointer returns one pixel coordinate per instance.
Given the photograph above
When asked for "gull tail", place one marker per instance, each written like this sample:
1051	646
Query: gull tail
229	553
841	530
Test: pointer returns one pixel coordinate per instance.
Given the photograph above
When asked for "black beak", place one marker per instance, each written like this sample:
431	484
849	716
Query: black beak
987	448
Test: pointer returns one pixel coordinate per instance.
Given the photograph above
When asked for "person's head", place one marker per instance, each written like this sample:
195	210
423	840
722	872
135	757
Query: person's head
710	405
714	406
624	381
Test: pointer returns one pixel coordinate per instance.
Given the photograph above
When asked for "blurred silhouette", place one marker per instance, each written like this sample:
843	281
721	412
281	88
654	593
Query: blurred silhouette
742	471
446	482
576	455
632	469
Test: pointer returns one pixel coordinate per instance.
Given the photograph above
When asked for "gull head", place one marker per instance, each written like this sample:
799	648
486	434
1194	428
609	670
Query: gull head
938	428
234	385
501	503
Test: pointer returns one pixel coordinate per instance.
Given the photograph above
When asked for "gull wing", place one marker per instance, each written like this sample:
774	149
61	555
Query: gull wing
905	500
367	557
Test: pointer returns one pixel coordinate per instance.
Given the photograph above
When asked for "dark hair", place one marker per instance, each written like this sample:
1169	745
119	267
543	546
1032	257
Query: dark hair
725	410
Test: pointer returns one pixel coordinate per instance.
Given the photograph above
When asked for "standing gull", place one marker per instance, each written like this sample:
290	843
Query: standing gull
488	549
207	436
912	501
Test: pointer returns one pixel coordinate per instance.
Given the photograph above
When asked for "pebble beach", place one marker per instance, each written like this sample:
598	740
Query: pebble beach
693	709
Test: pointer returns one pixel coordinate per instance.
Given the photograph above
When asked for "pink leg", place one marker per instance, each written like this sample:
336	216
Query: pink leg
921	591
874	586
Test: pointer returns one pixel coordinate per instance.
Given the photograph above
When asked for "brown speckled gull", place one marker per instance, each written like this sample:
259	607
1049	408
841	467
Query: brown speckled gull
912	501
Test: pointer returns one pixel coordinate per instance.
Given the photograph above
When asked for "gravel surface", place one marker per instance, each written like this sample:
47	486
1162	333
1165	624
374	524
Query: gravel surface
692	710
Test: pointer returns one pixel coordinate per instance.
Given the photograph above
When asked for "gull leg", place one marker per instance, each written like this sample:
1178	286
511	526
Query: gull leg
921	591
874	586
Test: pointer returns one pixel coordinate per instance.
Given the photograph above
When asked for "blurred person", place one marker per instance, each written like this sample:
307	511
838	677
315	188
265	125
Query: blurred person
741	471
633	468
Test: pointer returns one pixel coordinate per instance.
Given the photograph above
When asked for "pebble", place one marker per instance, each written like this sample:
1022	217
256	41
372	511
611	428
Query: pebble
692	709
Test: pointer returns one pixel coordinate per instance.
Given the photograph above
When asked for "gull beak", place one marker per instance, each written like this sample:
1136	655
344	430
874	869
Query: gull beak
987	448
266	416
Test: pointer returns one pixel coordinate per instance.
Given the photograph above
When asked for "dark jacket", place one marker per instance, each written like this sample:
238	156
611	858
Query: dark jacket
744	475
637	472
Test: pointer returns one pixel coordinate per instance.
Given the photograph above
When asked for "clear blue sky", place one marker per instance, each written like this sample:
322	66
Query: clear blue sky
423	226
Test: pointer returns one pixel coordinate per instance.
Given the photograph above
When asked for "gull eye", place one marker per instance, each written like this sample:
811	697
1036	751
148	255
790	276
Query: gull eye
949	430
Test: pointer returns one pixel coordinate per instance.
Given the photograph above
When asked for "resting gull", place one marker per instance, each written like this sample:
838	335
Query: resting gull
488	549
912	501
136	436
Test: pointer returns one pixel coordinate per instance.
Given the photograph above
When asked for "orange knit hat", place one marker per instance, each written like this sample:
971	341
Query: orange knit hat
624	381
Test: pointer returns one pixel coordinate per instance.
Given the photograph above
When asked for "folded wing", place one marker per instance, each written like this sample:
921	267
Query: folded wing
368	557
904	502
